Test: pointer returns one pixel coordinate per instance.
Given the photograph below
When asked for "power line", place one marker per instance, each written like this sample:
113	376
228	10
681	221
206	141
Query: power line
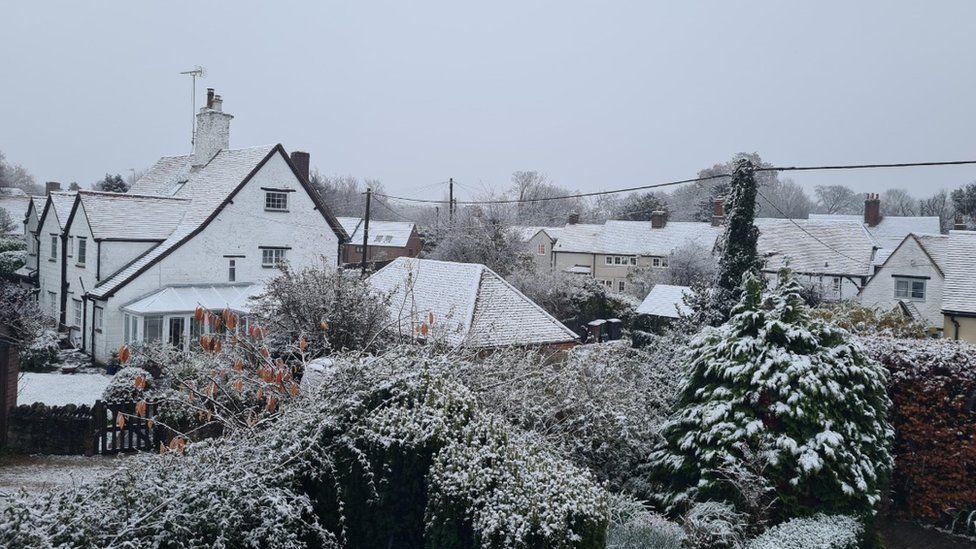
547	198
862	166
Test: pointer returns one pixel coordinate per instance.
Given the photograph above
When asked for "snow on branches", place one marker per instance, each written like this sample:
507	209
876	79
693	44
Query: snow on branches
800	393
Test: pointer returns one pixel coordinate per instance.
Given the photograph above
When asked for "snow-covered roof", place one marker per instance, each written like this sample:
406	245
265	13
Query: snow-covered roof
58	204
578	269
828	247
163	177
890	231
525	233
934	245
131	216
184	299
635	237
665	300
471	305
394	234
959	291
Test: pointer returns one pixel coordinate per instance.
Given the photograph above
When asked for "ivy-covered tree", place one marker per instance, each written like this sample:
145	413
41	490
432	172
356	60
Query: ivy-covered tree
738	253
785	400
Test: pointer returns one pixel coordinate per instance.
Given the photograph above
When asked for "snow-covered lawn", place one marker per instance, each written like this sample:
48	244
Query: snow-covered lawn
57	389
38	474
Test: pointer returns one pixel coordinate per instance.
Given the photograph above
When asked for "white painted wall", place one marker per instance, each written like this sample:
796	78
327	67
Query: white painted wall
539	248
49	270
240	229
908	260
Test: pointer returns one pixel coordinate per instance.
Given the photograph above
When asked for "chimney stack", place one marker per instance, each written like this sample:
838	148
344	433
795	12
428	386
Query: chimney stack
213	130
658	219
301	160
51	186
572	219
872	210
959	224
718	212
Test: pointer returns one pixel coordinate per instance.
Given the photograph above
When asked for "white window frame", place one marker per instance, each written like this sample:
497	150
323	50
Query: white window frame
71	246
273	257
633	260
541	250
620	285
97	318
232	270
909	291
655	262
82	254
617	260
145	327
54	248
609	260
275	201
76	312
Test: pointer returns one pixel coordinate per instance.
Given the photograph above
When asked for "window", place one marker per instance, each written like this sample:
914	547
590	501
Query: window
276	201
97	318
272	257
359	249
620	285
909	288
82	251
54	247
664	262
633	261
126	334
71	245
542	248
836	284
232	270
616	260
76	312
152	328
655	262
609	260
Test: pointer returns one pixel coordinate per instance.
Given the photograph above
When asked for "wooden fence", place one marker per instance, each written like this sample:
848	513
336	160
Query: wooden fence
131	433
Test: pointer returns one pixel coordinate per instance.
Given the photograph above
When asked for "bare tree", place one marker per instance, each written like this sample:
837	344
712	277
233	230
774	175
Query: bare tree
836	199
533	186
938	205
784	199
345	194
898	202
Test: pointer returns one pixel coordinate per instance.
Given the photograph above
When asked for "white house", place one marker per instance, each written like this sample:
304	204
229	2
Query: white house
465	304
539	243
911	279
51	252
203	229
388	240
959	292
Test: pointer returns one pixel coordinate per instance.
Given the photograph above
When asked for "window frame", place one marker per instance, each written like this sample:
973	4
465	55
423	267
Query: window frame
77	313
146	334
275	201
98	318
273	253
620	285
53	256
541	250
82	254
232	270
910	290
609	259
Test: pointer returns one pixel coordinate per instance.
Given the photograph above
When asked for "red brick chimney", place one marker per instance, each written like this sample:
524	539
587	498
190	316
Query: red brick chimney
301	161
718	214
872	209
658	219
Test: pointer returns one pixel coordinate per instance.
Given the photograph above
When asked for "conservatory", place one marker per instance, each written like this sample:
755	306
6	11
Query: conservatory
169	314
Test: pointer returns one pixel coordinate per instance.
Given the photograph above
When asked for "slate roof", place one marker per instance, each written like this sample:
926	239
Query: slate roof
889	233
182	299
665	300
207	188
394	234
163	177
525	233
131	216
827	247
59	203
472	306
959	290
635	237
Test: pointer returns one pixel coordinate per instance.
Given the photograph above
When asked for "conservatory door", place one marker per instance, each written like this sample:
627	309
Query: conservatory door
176	339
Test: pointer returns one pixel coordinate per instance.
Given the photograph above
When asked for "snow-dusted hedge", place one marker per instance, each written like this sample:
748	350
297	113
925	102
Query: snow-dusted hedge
932	386
124	387
42	351
776	398
632	526
816	532
382	456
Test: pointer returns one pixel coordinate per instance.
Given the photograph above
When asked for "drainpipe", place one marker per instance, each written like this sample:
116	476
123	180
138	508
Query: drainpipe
955	324
84	320
98	260
64	278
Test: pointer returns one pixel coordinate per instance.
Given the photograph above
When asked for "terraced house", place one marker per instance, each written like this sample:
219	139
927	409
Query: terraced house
202	229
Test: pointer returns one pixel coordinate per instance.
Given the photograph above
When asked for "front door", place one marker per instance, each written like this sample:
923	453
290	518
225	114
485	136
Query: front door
176	339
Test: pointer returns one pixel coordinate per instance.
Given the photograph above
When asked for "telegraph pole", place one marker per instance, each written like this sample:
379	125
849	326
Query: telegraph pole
369	195
450	199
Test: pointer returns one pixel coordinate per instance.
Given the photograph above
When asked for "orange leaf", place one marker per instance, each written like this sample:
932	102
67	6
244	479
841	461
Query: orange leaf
294	389
260	394
272	404
162	448
265	353
239	385
120	421
150	423
424	329
324	325
141	408
430	318
302	344
217	346
205	341
198	315
123	354
239	365
140	382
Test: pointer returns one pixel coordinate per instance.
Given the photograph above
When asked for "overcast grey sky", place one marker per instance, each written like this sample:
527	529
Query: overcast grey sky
595	94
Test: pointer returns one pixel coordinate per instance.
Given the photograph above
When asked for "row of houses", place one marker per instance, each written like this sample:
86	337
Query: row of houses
883	261
207	229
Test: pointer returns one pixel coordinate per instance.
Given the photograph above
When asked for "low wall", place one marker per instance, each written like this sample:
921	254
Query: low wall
60	430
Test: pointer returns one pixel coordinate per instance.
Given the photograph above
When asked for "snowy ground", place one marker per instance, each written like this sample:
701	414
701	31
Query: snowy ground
38	474
57	389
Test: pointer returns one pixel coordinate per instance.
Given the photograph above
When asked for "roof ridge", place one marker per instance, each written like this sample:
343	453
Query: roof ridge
136	195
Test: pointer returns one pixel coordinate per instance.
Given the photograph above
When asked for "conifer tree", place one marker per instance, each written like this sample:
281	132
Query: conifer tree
738	253
798	393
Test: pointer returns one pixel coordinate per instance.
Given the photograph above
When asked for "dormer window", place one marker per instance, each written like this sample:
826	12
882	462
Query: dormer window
275	201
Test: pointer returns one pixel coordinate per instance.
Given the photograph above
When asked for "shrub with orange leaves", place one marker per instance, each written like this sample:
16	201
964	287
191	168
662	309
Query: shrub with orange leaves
933	390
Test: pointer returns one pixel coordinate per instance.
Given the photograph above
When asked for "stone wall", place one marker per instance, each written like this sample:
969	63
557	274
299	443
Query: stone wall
60	430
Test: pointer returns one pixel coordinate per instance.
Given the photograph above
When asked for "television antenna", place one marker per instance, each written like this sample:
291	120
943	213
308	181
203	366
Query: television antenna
197	71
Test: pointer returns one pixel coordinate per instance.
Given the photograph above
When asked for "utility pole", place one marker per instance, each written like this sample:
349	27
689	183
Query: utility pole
450	199
369	195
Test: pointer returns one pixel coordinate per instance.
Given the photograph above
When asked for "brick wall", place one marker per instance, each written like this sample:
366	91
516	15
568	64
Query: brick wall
60	430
